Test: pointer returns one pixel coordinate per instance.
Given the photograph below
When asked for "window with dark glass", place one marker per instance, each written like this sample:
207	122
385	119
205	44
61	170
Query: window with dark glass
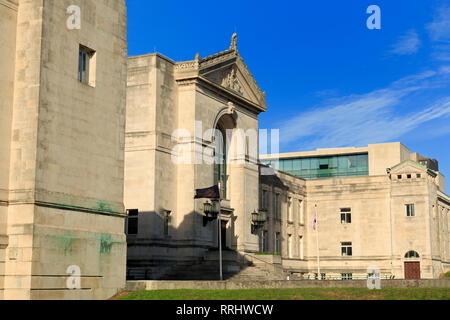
325	166
132	221
411	255
277	242
167	219
346	248
346	215
86	67
265	244
410	211
220	162
277	206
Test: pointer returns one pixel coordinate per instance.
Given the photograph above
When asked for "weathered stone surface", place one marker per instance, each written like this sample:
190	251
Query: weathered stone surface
61	150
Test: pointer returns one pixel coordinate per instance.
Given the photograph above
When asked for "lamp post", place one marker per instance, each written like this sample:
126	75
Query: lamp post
219	222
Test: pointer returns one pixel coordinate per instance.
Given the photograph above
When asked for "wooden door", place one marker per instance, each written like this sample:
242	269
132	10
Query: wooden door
412	270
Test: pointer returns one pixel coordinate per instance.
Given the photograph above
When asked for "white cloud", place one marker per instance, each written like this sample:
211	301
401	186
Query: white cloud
378	116
407	44
439	31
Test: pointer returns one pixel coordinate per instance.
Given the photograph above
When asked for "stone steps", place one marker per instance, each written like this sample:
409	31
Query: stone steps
208	269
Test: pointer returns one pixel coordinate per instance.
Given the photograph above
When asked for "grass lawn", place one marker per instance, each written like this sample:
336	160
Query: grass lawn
293	294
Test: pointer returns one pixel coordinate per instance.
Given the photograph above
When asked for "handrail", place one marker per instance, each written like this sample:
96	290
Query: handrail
271	264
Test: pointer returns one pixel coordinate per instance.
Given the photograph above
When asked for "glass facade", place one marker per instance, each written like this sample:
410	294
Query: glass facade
323	167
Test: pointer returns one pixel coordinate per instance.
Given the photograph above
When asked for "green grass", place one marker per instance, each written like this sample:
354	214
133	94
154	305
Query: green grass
294	294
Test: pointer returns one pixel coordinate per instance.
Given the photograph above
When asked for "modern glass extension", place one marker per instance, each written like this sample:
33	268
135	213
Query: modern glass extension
323	167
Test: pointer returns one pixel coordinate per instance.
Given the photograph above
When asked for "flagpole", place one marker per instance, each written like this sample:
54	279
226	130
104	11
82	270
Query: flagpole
219	222
317	244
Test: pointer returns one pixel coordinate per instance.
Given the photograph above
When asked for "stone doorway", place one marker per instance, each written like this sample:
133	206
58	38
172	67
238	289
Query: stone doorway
223	233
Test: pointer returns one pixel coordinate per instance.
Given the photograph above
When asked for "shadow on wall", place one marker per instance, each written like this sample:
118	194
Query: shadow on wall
187	252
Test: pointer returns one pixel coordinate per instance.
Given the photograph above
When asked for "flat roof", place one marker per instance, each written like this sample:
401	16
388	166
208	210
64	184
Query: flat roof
316	153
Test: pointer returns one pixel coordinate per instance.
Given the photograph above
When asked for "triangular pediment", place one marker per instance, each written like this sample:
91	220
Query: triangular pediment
410	167
228	70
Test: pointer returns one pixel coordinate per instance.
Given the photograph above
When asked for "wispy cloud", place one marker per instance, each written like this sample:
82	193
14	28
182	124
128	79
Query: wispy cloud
439	31
408	43
378	116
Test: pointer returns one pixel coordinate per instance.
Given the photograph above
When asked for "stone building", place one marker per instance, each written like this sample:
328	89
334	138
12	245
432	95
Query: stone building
171	106
376	206
76	170
62	128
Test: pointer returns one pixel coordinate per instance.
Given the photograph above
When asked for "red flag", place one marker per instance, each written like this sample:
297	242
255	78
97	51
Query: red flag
209	193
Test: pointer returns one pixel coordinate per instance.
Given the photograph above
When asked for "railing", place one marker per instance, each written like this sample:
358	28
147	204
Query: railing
253	256
354	277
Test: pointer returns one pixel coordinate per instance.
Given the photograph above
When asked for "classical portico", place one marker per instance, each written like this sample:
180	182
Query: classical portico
172	111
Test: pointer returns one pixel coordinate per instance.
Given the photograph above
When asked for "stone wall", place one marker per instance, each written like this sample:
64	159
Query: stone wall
8	24
66	173
280	284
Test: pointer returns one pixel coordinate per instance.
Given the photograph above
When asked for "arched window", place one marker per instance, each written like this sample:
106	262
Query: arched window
220	161
411	255
226	122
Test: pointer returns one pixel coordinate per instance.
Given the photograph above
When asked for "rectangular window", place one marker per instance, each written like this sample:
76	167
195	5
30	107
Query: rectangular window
346	249
410	211
277	242
86	66
300	247
264	200
167	220
346	276
323	276
346	215
300	212
265	244
277	206
132	221
289	210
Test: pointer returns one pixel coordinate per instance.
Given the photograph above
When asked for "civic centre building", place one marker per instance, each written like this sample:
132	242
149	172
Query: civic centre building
101	154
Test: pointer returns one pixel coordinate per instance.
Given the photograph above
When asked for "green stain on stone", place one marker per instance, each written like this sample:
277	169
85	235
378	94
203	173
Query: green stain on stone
106	243
104	206
65	243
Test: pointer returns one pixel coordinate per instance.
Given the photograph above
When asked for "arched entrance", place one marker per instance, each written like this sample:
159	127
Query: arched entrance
412	265
225	123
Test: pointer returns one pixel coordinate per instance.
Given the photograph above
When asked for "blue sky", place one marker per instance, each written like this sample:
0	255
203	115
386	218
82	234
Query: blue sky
330	81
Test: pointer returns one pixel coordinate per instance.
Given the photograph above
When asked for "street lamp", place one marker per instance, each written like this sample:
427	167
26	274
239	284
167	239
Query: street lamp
259	218
211	210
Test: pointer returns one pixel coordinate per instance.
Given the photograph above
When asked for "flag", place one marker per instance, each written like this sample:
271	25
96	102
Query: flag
314	224
210	193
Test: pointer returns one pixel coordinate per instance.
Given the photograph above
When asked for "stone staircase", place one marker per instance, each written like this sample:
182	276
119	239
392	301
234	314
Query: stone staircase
235	268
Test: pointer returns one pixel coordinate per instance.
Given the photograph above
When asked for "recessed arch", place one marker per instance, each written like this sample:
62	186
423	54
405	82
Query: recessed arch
225	122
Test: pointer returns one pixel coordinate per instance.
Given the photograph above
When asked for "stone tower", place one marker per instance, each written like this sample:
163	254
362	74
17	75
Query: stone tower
62	124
